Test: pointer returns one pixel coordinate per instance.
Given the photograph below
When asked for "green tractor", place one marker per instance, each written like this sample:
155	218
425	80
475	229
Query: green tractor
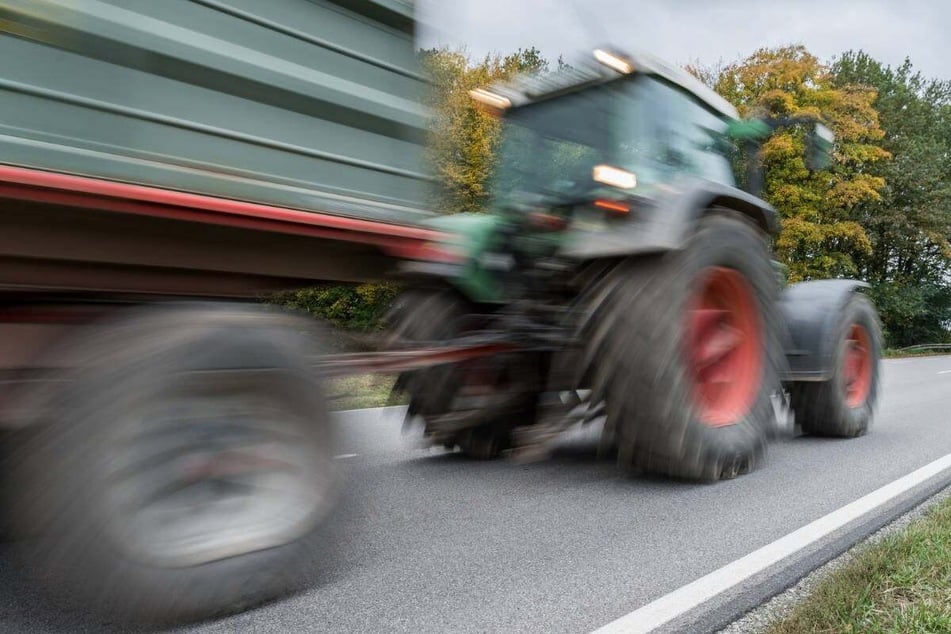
624	275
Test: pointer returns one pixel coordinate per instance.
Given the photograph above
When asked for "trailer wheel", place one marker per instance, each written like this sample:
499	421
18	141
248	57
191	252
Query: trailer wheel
184	469
843	405
683	348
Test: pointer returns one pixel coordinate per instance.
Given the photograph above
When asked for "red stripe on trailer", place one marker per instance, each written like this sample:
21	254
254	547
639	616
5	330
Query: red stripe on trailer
82	191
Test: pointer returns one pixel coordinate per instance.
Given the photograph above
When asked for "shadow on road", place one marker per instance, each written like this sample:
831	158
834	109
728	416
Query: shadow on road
575	463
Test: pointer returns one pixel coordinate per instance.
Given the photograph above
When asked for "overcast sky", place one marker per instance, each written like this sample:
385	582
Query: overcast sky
684	31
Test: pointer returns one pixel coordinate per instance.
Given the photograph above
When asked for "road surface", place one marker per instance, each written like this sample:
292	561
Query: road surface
436	543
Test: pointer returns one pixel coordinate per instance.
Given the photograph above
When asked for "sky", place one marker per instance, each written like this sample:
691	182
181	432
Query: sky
690	31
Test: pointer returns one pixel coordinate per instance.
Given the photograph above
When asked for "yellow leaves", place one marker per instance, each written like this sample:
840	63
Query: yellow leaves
820	233
815	250
767	71
778	102
789	197
781	146
861	188
464	137
798	233
853	234
860	153
853	114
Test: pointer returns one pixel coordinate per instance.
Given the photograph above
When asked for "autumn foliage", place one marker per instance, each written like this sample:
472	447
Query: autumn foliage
821	228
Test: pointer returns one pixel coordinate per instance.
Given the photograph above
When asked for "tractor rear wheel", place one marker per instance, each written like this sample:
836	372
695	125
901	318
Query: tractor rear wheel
842	406
427	318
684	351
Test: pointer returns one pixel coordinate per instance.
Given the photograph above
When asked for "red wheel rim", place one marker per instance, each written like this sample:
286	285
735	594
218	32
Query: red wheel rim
857	366
724	347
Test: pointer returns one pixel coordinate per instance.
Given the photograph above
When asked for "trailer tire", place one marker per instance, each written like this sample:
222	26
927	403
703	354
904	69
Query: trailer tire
207	408
642	354
842	406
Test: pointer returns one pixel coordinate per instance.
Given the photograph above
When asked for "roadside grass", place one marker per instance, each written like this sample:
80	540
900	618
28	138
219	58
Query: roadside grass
899	584
362	390
892	353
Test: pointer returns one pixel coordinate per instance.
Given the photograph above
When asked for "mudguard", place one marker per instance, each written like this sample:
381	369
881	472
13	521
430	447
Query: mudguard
810	311
664	223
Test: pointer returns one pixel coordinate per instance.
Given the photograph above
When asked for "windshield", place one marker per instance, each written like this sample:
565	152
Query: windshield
549	148
647	127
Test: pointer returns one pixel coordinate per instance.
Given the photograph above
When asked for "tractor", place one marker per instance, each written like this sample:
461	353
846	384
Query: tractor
621	273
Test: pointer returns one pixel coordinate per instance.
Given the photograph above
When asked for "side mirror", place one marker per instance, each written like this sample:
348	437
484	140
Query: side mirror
819	144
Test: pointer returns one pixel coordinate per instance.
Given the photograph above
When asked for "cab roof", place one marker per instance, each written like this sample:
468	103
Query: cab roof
529	88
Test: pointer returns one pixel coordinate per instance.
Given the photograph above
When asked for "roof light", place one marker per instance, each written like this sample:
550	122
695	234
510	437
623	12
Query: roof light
613	61
490	98
614	176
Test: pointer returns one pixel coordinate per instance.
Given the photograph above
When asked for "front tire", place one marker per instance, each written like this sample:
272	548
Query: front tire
842	406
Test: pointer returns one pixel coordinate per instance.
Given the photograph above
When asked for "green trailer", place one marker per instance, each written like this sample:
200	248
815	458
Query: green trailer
164	165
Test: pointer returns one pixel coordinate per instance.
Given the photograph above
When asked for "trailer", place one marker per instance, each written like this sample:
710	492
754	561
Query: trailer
163	167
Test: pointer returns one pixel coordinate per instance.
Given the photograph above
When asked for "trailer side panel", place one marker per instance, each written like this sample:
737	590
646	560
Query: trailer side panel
306	104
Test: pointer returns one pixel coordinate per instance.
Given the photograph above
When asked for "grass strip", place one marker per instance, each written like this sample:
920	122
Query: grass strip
899	584
892	353
362	390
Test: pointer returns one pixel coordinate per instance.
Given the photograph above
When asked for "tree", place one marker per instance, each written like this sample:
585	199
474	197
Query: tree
462	153
822	234
909	227
464	136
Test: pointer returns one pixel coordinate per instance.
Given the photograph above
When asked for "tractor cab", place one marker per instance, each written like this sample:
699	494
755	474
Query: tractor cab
585	152
607	135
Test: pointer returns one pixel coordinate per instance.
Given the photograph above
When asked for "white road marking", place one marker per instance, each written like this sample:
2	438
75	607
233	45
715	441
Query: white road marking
382	410
945	372
667	608
344	456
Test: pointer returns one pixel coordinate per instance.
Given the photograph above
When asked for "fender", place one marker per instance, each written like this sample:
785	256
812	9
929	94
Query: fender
663	224
457	259
810	311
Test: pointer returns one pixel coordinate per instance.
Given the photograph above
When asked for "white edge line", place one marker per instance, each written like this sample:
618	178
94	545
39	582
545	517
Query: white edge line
386	408
667	608
944	372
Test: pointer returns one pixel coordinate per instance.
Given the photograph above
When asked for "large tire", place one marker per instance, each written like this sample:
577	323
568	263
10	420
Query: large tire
843	406
183	469
643	337
422	317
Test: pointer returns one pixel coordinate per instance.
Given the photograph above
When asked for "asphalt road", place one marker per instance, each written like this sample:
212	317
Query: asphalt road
436	543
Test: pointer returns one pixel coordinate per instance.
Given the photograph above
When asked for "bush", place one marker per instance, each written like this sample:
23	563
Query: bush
913	313
356	308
